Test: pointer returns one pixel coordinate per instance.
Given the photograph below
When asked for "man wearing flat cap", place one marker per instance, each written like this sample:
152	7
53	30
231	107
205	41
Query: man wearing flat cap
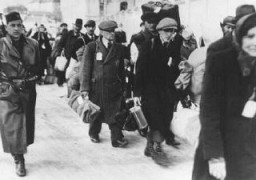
156	71
66	43
102	79
19	65
228	40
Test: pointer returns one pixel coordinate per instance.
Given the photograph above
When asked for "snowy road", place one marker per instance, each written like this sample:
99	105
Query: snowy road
63	151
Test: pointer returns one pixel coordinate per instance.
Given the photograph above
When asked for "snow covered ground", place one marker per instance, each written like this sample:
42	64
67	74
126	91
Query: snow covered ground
63	151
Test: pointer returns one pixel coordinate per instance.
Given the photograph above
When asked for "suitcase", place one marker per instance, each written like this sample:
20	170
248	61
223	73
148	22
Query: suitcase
163	10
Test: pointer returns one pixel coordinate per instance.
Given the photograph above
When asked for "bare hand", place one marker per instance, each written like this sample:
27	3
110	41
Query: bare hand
85	94
217	168
136	101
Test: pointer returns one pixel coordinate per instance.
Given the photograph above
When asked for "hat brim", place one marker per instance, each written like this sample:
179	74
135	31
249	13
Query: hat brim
91	25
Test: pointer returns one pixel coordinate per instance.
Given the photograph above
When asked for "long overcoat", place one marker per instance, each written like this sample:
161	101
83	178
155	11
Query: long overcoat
156	71
102	75
17	107
225	132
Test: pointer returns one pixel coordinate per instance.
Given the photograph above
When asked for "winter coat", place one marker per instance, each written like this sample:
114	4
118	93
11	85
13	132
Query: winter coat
17	107
104	78
225	132
221	44
67	42
154	82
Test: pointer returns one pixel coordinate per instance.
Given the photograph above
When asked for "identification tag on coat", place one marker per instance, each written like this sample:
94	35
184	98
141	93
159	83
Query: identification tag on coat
249	110
169	62
99	56
80	100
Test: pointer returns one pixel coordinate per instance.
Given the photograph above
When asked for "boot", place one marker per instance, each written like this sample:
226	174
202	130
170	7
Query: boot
149	149
159	156
20	164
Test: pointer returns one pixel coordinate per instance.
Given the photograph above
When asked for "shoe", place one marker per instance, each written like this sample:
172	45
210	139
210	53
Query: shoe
20	164
172	142
149	149
20	168
95	139
119	143
159	156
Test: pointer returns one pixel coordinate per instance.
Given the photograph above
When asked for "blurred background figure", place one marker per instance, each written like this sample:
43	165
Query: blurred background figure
227	25
63	29
120	35
66	43
44	49
189	43
2	27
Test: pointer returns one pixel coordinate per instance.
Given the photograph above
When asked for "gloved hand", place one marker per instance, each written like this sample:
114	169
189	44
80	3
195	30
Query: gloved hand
217	168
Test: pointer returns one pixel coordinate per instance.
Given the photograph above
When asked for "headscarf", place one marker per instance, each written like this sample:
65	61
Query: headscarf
247	63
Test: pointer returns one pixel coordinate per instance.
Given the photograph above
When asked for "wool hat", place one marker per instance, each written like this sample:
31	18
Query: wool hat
244	10
12	16
90	23
243	26
107	25
79	22
167	23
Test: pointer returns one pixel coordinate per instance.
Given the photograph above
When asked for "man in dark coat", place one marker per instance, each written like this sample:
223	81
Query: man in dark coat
156	71
102	77
226	41
150	21
67	42
227	143
19	64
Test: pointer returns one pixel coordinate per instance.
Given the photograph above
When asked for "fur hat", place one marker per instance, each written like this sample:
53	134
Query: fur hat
12	16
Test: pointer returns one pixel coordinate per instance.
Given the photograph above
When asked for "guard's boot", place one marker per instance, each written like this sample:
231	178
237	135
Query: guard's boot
159	156
20	164
149	149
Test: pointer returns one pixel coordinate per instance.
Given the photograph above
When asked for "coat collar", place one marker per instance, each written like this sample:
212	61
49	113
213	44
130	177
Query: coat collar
107	54
13	51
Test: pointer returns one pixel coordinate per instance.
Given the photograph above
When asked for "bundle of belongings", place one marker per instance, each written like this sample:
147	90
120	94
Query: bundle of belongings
87	110
162	9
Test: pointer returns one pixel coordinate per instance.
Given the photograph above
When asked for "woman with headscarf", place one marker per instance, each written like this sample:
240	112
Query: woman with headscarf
227	145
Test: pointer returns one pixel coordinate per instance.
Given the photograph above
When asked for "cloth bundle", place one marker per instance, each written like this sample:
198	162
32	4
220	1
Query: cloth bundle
87	110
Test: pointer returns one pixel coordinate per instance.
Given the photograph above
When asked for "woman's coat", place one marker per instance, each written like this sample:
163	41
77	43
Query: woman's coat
225	132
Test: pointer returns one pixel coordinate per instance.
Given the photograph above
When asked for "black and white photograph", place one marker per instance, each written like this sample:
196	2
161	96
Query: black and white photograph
128	89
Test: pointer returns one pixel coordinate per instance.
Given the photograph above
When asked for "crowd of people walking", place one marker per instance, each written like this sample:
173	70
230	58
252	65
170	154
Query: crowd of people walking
161	67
